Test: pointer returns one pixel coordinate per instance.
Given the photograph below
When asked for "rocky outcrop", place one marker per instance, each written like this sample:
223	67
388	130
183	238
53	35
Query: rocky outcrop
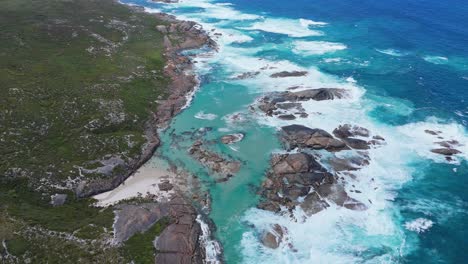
246	75
288	102
297	179
273	238
232	138
180	241
215	162
58	199
298	136
353	136
132	219
284	74
446	151
291	176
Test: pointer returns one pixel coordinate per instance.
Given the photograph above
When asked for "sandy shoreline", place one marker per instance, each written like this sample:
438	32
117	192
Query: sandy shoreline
143	183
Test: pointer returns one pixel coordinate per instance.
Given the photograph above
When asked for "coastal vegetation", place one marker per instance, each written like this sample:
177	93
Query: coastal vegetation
79	81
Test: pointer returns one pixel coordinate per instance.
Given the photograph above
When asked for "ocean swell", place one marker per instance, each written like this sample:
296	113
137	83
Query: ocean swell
336	234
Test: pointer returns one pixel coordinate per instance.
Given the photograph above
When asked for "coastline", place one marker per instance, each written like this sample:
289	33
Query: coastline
179	36
148	181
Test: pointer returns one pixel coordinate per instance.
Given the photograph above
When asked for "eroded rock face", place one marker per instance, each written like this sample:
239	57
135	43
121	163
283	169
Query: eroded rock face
274	237
58	199
291	176
213	161
313	204
284	74
132	219
180	241
298	136
347	130
232	138
297	179
353	136
279	102
446	151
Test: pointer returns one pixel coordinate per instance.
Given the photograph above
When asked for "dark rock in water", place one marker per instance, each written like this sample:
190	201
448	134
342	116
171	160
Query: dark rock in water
298	136
287	106
320	94
291	176
448	143
297	175
287	117
347	130
446	151
357	143
337	194
355	205
269	206
284	74
287	101
232	138
246	75
274	237
378	138
214	161
312	204
58	199
348	164
432	132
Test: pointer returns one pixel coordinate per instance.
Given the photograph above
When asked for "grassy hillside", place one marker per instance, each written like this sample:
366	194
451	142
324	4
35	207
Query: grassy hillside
78	81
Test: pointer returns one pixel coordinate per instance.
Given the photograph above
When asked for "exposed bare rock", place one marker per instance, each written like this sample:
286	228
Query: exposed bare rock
446	151
132	219
284	74
232	138
180	241
274	237
213	161
298	136
58	199
313	204
291	176
432	132
336	193
349	133
289	100
348	164
287	117
297	179
347	130
246	75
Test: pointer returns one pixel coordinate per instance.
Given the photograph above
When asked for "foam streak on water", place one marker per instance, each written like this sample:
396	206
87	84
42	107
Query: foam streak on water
336	235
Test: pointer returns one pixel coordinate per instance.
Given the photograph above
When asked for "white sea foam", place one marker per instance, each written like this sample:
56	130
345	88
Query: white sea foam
335	235
206	116
419	225
213	10
316	47
293	28
436	59
392	52
212	247
152	10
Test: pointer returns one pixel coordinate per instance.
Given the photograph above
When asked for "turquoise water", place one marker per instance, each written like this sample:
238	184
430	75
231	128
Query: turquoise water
406	67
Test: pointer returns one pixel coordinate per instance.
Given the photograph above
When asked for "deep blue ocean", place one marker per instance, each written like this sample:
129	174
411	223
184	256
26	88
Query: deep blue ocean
407	64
